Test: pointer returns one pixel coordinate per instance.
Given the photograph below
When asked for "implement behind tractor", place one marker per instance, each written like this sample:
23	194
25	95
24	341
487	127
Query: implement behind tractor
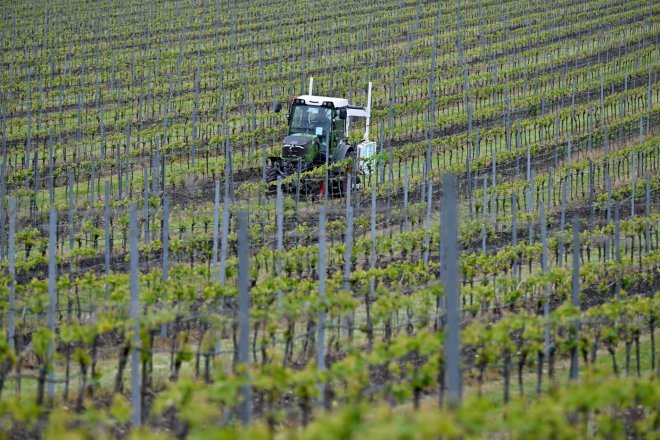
317	136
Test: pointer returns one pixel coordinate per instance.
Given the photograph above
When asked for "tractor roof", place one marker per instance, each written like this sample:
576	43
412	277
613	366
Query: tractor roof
318	100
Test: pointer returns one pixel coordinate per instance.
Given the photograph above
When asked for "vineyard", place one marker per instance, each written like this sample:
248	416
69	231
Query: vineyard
496	273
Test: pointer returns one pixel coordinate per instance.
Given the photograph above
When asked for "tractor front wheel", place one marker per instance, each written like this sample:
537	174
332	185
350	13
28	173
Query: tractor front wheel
271	173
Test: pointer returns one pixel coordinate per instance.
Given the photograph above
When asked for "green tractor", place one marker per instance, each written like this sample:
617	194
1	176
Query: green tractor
318	135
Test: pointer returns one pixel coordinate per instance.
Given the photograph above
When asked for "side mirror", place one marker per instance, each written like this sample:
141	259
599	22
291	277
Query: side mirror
342	113
278	107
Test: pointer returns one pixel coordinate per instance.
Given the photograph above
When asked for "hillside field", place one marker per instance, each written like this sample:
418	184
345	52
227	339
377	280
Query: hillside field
492	271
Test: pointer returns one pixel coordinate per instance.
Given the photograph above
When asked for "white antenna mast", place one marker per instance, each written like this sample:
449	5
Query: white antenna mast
311	84
368	110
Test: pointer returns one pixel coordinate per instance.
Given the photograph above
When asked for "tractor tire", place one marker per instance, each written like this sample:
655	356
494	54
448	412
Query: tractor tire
340	181
271	174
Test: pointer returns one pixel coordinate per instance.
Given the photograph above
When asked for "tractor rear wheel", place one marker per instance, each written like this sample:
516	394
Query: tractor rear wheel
341	181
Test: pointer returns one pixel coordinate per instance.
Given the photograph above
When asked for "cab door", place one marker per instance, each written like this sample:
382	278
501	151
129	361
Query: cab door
338	130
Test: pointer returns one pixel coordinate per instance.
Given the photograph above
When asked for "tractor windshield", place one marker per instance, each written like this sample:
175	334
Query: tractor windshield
311	120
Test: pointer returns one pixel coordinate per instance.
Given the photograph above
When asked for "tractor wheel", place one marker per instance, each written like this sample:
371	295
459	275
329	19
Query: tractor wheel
341	181
271	173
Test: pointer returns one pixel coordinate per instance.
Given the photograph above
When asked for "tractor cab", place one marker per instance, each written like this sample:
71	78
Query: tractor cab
317	119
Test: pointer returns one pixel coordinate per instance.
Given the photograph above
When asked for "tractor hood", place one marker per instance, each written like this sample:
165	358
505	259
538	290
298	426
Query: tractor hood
298	146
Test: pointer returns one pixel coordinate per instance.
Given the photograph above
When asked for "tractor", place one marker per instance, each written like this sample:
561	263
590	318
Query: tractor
317	136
